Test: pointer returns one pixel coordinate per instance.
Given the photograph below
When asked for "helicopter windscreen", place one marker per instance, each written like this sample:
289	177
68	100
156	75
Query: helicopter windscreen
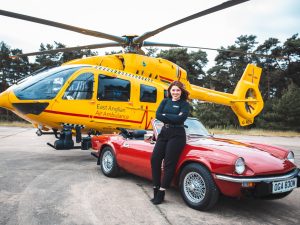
44	85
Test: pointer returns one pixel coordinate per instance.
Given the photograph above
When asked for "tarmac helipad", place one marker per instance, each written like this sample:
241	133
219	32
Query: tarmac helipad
39	185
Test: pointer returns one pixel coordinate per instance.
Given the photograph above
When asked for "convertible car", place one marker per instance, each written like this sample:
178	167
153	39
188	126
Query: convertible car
207	167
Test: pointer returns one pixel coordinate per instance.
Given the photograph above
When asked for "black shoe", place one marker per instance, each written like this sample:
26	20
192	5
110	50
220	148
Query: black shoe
159	198
155	190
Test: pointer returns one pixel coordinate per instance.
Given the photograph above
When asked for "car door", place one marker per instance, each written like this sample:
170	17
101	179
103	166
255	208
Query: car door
135	156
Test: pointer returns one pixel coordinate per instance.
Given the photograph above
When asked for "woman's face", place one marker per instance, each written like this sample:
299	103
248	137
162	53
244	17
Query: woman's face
175	92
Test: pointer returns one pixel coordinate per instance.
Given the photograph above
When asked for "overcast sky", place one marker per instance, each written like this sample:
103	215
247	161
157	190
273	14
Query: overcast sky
263	18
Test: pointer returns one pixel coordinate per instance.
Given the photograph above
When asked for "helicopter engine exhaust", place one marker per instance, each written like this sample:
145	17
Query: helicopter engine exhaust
246	100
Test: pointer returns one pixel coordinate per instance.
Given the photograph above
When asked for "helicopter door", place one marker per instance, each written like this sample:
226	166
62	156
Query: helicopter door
147	101
76	103
114	106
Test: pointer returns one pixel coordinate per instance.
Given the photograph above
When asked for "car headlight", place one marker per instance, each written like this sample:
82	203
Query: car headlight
240	165
291	157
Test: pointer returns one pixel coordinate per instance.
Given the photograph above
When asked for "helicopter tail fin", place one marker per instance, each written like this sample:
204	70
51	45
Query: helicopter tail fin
246	100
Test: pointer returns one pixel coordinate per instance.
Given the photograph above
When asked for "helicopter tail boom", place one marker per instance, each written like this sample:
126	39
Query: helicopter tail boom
246	100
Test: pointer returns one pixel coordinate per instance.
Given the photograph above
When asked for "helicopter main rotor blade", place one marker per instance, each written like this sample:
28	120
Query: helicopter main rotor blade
237	52
63	26
103	45
222	6
152	44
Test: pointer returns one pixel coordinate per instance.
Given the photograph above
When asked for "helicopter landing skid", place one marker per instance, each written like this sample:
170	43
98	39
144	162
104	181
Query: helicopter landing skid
65	141
75	147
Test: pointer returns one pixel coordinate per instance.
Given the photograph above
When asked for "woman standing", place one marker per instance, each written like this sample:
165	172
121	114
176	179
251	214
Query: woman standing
172	111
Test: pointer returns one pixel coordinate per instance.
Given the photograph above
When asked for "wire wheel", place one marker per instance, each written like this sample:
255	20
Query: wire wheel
107	161
194	187
109	165
197	187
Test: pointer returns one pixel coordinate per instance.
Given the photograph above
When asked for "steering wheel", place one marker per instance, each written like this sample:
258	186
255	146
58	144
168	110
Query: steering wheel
125	132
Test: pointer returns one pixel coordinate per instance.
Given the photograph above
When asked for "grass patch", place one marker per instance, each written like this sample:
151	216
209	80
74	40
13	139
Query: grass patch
256	132
252	132
15	124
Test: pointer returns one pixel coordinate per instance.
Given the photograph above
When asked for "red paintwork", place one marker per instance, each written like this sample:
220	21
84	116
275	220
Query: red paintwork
218	155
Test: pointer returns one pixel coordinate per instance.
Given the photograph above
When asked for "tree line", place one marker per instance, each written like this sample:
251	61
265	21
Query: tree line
279	85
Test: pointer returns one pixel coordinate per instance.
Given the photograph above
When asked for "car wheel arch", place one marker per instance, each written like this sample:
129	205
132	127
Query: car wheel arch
193	177
100	151
187	162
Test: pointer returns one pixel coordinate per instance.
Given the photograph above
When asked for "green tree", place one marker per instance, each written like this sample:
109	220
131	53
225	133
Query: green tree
282	113
151	51
47	60
291	49
213	115
288	108
11	70
230	65
56	59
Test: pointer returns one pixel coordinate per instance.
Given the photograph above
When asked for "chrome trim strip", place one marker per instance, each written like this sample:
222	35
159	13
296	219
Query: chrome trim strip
292	174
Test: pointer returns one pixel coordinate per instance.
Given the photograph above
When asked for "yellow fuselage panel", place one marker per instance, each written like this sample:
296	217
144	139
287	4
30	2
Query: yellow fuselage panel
98	114
111	61
155	68
94	113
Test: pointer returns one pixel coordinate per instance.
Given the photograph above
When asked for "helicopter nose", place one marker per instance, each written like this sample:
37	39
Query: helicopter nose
4	102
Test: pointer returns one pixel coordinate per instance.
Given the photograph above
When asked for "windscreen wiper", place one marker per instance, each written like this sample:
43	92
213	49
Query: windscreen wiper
197	135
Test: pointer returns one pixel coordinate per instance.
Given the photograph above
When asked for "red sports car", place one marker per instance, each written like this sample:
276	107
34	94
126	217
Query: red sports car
207	167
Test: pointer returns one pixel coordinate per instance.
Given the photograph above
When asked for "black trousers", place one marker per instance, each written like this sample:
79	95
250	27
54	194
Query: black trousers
168	147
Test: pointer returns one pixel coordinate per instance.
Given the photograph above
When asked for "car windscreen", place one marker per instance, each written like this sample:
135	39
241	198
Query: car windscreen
192	127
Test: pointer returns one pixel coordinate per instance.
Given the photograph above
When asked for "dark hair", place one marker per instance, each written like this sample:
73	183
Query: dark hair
184	92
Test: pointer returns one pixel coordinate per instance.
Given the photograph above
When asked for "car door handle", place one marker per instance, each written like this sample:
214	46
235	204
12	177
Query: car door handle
126	145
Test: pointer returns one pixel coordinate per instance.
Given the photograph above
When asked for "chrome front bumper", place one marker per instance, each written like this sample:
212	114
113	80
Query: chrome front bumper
293	174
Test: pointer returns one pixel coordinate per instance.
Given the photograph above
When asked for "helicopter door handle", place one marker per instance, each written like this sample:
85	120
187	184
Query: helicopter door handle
92	102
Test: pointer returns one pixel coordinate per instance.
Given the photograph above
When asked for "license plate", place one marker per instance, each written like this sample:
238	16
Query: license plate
284	186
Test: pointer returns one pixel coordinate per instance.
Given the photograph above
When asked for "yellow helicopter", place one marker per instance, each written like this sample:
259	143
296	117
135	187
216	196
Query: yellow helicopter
104	93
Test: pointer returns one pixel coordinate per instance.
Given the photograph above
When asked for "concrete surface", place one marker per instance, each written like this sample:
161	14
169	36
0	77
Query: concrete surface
39	185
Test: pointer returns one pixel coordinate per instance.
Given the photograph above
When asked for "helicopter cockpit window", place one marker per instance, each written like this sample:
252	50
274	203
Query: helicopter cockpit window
147	93
113	89
45	85
80	88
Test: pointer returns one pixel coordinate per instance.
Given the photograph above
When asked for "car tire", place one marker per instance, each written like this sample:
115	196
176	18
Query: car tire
197	187
108	162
